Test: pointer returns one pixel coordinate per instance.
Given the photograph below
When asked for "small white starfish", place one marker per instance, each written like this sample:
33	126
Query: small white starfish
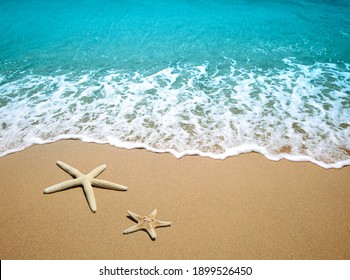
147	223
86	181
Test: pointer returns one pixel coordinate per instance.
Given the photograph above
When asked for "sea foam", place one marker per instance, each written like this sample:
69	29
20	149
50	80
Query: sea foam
299	112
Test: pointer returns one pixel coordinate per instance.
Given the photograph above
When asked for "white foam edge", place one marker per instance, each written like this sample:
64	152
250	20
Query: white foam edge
232	152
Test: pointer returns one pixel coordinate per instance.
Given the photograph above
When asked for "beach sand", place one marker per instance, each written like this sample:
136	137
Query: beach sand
244	207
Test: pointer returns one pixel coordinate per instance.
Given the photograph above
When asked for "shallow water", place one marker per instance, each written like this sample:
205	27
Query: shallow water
214	78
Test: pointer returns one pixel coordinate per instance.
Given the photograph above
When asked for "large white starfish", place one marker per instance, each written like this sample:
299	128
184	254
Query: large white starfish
86	181
147	223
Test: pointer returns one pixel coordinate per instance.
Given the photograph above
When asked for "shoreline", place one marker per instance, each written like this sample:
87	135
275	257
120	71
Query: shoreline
242	207
233	152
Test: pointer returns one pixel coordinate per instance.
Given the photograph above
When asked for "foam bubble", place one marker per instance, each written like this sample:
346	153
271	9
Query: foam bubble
300	112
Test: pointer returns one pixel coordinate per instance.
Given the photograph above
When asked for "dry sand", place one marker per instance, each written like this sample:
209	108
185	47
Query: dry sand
244	207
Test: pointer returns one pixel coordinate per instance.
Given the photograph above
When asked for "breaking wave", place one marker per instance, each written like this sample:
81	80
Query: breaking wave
299	112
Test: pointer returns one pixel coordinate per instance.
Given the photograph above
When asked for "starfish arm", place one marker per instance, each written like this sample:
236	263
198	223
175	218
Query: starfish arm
162	224
107	185
63	186
132	229
135	216
89	193
69	169
97	171
152	233
153	214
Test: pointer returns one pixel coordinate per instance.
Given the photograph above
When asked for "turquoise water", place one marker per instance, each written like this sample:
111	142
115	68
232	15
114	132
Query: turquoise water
214	78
